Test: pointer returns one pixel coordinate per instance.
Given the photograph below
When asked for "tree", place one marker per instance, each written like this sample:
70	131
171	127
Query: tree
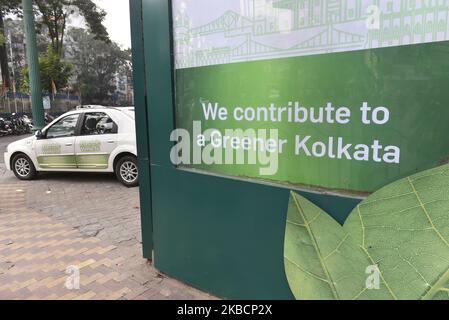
15	27
6	7
55	15
95	73
54	72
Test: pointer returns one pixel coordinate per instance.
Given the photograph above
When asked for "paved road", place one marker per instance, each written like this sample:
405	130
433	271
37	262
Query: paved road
87	220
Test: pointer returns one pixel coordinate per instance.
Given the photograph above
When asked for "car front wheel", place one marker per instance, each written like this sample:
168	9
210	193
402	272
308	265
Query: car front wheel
127	171
23	167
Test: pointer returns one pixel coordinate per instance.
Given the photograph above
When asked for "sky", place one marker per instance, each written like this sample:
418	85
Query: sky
117	20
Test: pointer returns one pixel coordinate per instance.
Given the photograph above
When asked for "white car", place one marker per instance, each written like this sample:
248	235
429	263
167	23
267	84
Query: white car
89	139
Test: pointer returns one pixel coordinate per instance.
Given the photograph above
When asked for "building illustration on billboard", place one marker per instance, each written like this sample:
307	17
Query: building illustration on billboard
265	29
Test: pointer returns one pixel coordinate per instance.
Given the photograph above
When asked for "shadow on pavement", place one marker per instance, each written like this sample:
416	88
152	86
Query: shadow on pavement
74	177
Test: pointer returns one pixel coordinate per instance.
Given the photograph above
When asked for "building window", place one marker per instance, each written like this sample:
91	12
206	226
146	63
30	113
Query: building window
351	13
390	6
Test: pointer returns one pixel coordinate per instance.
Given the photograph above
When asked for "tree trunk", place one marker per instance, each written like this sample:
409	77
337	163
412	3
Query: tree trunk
4	65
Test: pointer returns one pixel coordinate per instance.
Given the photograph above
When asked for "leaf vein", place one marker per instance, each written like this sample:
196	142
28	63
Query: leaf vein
380	273
338	247
426	213
315	244
305	271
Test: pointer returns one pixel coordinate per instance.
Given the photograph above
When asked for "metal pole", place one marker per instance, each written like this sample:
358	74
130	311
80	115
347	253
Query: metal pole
13	71
142	127
33	64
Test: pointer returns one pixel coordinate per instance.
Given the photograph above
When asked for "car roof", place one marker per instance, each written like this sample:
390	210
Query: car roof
98	108
128	111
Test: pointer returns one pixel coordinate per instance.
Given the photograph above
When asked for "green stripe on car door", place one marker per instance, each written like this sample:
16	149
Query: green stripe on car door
94	161
57	162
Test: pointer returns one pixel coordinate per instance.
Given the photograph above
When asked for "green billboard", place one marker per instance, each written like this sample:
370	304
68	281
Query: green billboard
350	121
298	149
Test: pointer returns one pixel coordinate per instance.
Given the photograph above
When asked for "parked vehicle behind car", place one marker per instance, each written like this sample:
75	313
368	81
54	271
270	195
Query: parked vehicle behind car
48	118
89	139
21	124
15	125
5	127
27	123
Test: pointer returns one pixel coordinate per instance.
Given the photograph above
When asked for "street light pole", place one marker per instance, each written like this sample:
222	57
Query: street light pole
33	64
13	71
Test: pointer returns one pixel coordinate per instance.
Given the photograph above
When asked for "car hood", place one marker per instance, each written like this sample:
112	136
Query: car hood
27	142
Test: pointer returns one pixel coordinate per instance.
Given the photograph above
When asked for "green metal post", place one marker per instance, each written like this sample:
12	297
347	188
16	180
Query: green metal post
141	106
33	64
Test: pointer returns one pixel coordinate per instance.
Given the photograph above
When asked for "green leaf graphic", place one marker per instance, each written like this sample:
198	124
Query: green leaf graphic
402	230
321	259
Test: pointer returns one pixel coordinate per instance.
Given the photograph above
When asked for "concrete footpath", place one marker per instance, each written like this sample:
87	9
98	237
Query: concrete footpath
65	230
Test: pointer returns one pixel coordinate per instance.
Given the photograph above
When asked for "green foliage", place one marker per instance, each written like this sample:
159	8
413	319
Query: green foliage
401	231
94	18
92	55
55	14
96	65
9	6
6	7
52	70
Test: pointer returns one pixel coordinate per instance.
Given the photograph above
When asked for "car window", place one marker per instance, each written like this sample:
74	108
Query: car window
65	127
98	123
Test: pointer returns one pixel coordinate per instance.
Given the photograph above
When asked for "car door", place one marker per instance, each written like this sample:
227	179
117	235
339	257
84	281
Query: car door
96	142
56	149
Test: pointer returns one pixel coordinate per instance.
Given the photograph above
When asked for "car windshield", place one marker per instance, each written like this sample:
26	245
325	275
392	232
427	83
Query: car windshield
130	112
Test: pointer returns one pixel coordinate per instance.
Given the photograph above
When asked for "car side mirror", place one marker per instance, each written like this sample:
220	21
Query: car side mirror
39	134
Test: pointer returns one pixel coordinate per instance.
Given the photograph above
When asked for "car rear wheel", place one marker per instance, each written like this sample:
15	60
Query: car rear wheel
127	171
23	167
